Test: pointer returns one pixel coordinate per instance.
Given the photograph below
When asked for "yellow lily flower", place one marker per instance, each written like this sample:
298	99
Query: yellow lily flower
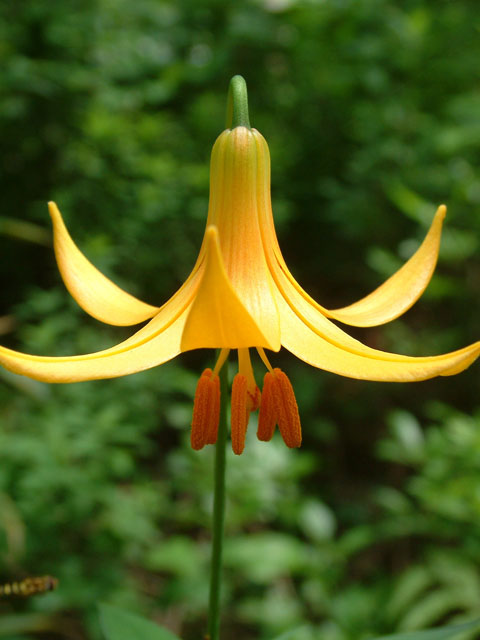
241	295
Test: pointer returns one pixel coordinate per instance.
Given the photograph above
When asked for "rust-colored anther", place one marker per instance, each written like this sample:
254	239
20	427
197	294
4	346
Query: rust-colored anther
212	432
240	413
206	411
278	406
286	409
267	417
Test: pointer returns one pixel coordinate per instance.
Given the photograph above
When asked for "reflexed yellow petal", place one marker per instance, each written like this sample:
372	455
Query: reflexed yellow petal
95	293
309	314
388	301
155	343
310	347
400	291
217	318
111	363
308	334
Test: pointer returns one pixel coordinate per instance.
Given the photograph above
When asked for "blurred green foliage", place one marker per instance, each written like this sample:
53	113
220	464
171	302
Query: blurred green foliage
371	110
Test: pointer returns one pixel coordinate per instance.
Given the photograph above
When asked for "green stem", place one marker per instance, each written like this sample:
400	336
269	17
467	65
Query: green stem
237	104
218	513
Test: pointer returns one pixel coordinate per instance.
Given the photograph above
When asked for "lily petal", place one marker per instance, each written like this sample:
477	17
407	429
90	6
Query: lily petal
235	194
309	314
309	335
400	291
155	343
316	350
387	302
217	318
94	292
111	363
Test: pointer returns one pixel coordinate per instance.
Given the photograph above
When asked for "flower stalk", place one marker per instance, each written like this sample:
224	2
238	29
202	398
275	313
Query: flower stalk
237	115
218	514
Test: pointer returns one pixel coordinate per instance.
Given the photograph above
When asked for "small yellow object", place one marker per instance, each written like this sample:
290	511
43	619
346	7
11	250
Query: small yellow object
29	586
241	295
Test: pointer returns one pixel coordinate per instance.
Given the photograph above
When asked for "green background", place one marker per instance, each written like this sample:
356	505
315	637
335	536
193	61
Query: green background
371	110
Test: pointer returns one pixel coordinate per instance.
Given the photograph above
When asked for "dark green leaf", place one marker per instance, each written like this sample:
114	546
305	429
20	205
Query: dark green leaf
440	633
290	635
120	625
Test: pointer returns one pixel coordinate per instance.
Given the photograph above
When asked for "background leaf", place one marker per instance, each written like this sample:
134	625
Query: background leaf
442	633
294	634
121	625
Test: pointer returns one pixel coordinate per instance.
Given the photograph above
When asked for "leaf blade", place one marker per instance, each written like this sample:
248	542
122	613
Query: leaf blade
438	633
117	624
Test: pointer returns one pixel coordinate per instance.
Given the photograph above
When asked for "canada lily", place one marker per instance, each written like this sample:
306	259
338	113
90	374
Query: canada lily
241	295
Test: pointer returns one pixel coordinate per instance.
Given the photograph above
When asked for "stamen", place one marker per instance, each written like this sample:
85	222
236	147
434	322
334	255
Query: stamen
266	415
206	411
264	358
221	360
287	410
212	431
245	369
279	406
239	413
254	399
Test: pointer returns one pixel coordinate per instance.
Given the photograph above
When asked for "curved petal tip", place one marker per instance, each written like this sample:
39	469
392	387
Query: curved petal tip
397	294
95	293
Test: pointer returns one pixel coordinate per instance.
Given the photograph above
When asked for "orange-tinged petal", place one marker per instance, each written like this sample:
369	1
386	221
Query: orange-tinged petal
95	293
314	349
217	318
387	302
308	334
236	191
400	291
